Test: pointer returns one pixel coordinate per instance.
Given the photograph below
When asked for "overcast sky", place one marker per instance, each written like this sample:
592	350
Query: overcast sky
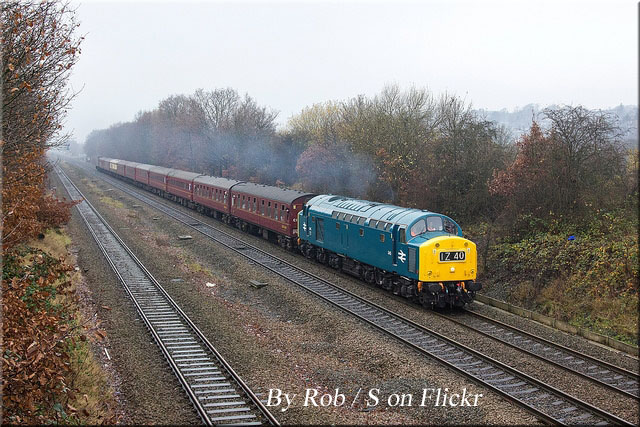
495	54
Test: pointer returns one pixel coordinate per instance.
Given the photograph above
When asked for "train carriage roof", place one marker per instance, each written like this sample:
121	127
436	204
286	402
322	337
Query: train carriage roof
145	167
160	170
214	181
269	192
127	163
177	173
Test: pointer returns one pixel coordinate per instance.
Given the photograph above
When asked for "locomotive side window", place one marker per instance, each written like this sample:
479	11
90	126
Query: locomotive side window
382	237
337	226
361	220
403	235
320	230
373	223
362	232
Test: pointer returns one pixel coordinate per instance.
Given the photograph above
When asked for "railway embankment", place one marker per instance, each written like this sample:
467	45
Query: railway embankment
584	274
56	368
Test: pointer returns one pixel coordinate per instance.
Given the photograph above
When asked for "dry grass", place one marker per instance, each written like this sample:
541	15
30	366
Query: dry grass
117	204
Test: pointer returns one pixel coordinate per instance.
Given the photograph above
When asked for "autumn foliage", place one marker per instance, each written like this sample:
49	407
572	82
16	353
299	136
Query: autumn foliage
38	50
36	333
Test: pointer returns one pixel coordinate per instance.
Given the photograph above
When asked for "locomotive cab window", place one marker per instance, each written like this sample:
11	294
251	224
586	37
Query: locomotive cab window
418	228
450	227
434	223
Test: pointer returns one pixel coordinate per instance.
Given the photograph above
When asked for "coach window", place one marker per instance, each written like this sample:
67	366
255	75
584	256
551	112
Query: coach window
255	204
262	207
275	212
225	198
281	212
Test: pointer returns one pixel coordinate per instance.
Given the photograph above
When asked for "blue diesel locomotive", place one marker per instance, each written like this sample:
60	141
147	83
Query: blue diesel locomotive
414	253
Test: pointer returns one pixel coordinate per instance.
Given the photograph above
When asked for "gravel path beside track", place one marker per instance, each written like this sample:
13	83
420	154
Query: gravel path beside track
279	336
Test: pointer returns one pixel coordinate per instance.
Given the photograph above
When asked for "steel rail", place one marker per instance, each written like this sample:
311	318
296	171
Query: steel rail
546	402
217	392
596	370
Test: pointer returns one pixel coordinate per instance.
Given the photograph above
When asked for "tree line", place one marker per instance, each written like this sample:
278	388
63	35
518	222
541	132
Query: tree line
410	148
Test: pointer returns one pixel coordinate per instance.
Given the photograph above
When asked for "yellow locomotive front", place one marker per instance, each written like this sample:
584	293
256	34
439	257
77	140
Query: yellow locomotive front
447	271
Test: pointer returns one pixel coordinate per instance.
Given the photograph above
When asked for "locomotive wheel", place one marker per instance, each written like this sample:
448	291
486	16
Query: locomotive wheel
379	277
425	300
369	276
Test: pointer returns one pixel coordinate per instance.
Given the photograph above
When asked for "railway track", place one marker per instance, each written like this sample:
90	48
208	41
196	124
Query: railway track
591	368
546	402
217	392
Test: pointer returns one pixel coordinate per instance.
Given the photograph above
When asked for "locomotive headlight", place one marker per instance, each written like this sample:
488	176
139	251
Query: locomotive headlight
453	269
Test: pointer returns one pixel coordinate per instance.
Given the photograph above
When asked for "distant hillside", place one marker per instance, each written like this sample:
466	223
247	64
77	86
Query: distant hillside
519	120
